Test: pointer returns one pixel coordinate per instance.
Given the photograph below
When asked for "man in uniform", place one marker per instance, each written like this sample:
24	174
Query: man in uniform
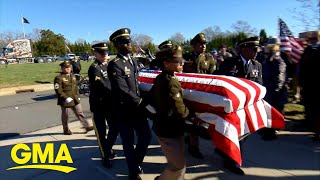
100	103
197	62
155	64
243	66
171	113
66	89
128	108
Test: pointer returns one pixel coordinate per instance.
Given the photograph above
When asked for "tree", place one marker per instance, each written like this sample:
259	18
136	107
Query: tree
263	36
178	38
141	39
212	32
308	14
7	37
243	26
51	43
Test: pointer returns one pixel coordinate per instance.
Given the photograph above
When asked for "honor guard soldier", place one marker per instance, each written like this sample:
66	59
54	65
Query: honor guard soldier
171	112
128	108
66	89
243	66
155	64
198	61
100	103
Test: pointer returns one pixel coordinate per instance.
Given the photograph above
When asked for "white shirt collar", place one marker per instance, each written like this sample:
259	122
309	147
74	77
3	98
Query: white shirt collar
244	60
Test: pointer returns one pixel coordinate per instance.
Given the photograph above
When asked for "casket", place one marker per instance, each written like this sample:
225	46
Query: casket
231	106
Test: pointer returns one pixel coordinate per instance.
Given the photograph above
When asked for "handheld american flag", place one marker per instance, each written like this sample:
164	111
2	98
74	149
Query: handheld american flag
231	106
292	46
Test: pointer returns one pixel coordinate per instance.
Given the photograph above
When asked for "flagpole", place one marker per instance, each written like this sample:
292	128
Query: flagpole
24	34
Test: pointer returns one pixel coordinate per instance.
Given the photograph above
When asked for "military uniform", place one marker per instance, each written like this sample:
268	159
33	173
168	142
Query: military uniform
155	63
240	67
243	68
127	105
171	112
100	104
199	62
66	89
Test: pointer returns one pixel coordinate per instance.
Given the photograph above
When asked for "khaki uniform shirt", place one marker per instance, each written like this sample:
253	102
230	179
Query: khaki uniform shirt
66	86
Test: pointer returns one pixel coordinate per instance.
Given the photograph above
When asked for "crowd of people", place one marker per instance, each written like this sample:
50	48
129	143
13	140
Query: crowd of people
115	98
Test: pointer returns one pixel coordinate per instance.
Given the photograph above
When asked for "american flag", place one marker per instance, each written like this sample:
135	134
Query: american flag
232	106
289	44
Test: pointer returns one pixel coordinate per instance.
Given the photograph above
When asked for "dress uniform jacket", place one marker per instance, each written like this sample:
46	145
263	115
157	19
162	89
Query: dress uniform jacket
235	67
66	86
126	98
100	87
168	101
202	63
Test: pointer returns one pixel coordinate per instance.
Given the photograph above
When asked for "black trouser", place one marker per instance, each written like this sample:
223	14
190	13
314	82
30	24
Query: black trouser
105	144
135	156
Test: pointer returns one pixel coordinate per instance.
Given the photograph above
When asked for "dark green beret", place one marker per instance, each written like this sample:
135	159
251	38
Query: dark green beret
200	38
170	54
65	64
250	42
165	44
122	36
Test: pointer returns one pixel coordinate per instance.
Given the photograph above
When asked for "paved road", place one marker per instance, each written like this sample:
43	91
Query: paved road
27	112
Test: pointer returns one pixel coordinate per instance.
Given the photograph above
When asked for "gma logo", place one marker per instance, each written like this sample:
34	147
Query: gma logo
47	158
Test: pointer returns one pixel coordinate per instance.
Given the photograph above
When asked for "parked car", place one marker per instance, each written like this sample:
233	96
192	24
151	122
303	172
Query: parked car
84	57
44	58
69	56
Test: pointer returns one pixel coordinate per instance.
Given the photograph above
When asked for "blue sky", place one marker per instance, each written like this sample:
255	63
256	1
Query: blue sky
96	19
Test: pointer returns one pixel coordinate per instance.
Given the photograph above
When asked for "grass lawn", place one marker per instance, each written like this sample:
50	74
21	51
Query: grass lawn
29	74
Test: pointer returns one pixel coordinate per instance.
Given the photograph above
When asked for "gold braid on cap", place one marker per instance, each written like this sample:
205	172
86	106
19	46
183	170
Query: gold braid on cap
126	34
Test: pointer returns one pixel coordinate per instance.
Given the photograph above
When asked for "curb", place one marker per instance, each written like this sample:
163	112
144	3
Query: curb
20	89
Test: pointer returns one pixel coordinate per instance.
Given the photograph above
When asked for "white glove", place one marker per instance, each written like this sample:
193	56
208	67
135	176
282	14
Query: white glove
69	99
79	99
151	109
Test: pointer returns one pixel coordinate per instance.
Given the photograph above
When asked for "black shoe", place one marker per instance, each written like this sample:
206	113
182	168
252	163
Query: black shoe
234	168
112	155
194	152
134	177
107	163
67	132
156	178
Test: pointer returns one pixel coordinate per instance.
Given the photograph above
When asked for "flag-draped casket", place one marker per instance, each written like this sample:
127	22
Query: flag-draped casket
231	106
